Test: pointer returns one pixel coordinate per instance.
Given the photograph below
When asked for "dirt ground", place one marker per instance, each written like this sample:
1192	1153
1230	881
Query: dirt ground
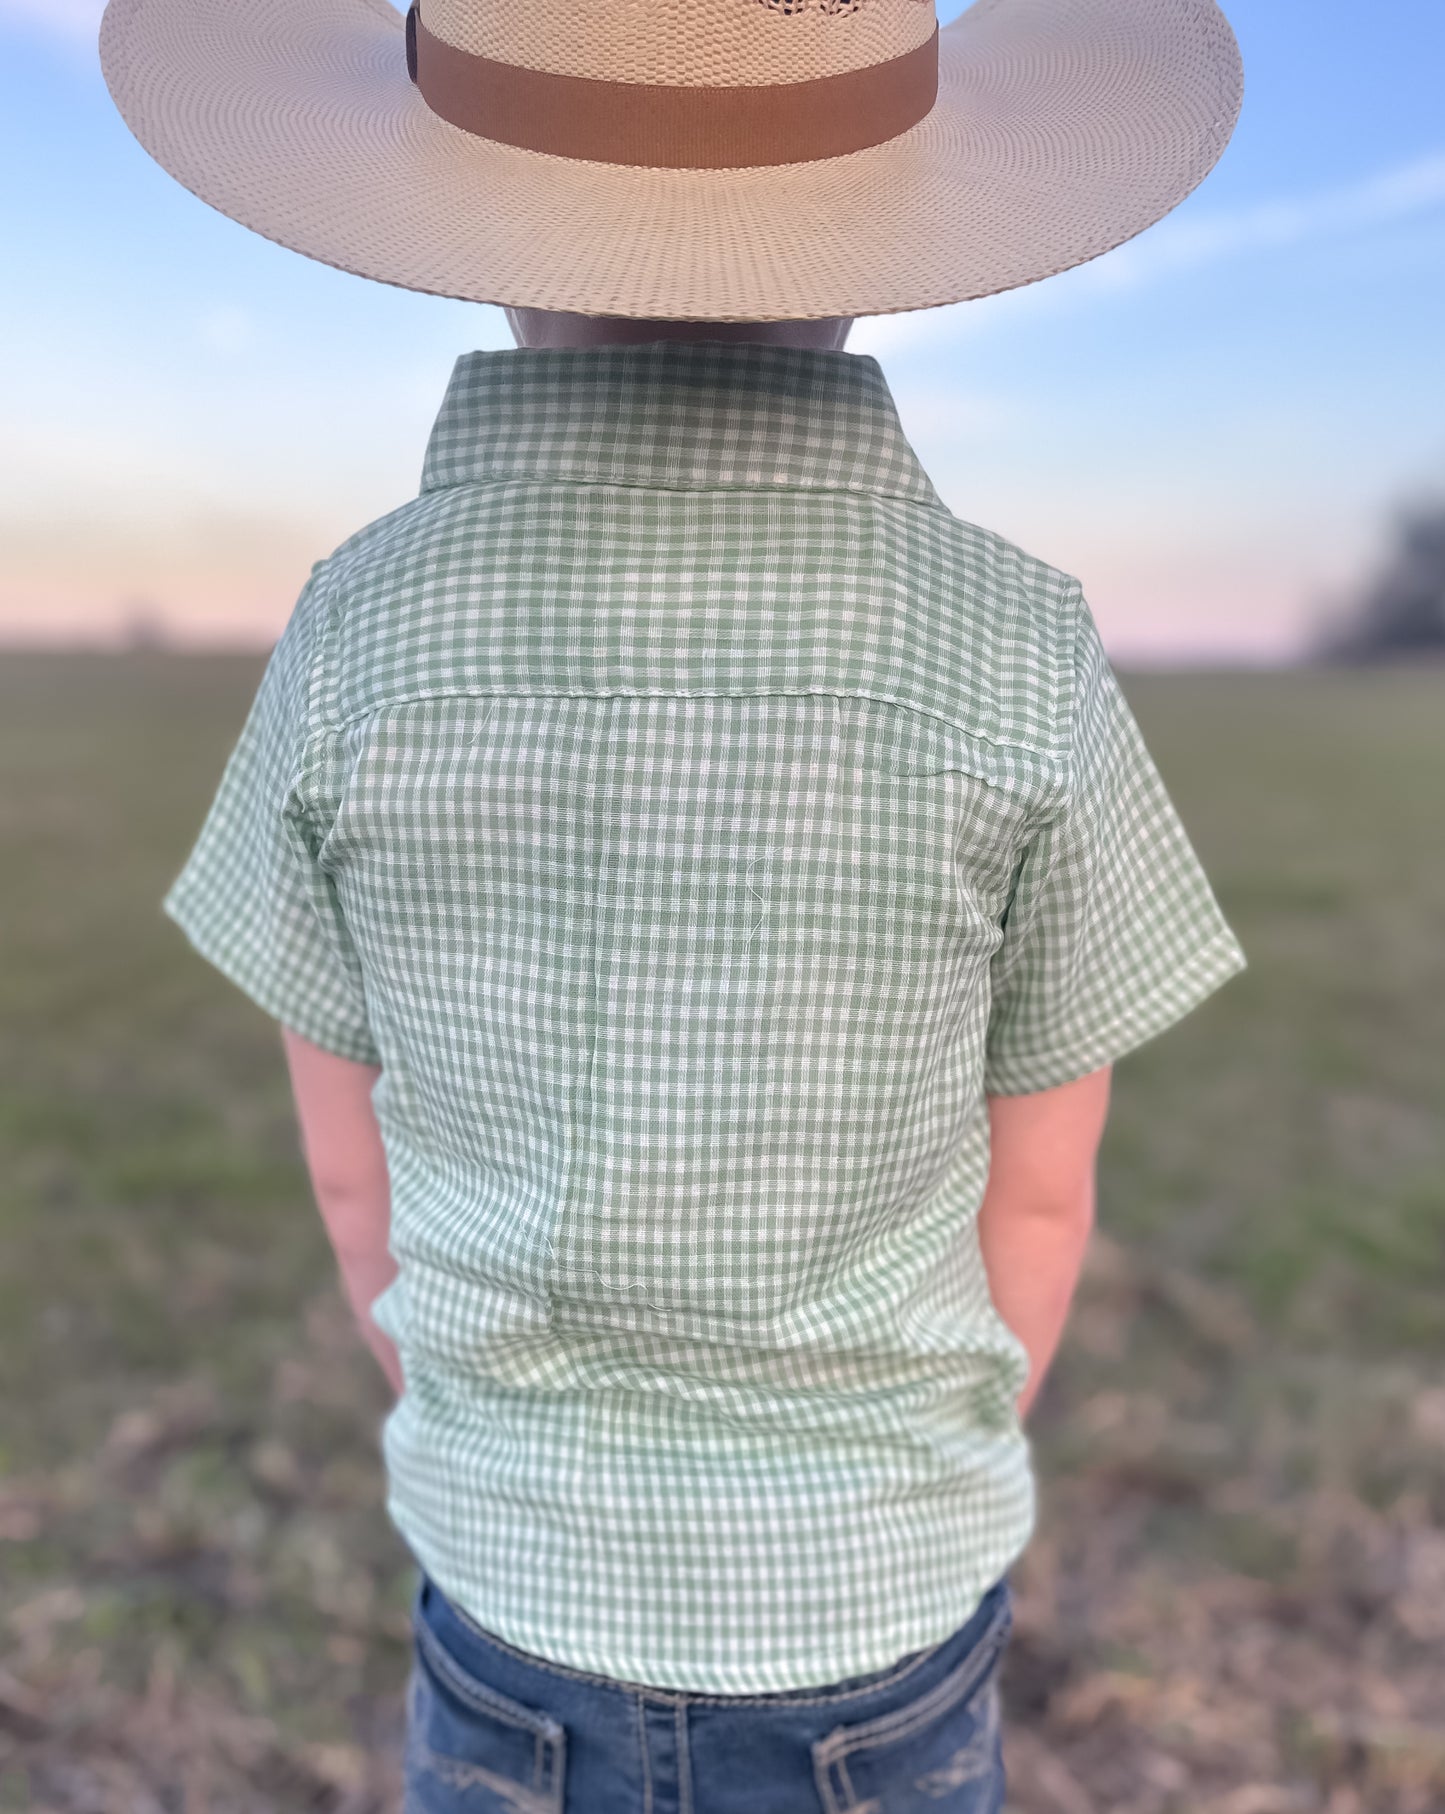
1234	1602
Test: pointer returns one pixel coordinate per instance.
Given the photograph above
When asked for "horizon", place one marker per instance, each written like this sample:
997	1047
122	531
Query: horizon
1211	426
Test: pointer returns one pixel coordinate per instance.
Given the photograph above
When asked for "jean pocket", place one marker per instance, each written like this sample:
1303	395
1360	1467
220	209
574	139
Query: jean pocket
939	1753
471	1749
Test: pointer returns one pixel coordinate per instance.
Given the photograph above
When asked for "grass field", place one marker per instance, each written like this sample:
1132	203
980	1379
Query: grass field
1235	1601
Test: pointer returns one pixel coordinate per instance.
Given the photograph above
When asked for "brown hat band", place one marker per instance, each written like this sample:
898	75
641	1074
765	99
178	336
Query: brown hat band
685	128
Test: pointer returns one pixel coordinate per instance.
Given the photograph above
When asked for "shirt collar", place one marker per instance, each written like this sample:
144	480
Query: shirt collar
688	415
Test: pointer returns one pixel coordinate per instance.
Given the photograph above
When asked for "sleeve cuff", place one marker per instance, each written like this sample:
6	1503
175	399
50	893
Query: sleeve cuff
308	1018
1166	1002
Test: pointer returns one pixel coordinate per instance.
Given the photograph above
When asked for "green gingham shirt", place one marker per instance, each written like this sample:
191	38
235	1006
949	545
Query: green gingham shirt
693	818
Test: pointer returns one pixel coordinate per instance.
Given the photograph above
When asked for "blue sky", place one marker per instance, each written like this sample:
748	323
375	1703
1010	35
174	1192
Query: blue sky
1210	425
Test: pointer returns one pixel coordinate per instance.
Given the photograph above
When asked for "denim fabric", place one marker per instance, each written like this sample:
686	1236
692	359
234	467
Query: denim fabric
494	1730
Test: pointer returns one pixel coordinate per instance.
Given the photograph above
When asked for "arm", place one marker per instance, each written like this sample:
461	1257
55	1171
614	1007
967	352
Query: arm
347	1162
1038	1209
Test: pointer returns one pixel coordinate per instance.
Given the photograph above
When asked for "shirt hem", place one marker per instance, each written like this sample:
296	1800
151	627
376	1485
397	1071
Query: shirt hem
821	1672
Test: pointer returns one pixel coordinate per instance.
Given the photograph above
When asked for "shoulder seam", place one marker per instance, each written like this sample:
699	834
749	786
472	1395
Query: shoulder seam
1066	653
1074	596
322	575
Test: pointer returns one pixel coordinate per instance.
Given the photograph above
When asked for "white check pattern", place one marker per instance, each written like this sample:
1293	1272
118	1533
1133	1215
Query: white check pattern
694	819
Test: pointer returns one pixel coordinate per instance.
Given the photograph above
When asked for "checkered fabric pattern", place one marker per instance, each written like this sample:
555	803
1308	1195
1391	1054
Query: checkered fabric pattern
694	819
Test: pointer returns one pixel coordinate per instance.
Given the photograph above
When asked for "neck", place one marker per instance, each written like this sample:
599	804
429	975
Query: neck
557	328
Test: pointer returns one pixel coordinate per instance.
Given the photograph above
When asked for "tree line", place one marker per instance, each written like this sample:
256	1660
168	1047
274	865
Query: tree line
1400	609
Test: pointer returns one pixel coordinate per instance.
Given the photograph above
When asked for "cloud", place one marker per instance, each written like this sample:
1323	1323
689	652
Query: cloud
73	19
1177	245
1377	201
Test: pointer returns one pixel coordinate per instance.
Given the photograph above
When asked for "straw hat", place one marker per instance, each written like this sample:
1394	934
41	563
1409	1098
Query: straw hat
743	160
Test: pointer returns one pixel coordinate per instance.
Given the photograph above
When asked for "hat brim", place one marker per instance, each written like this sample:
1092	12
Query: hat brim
1061	129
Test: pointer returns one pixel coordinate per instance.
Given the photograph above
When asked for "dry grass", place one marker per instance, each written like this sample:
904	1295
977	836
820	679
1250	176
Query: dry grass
1235	1600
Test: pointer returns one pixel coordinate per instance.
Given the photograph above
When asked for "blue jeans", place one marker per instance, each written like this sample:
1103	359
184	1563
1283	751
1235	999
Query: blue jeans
494	1730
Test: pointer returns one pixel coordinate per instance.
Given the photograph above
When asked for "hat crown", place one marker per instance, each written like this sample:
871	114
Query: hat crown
685	43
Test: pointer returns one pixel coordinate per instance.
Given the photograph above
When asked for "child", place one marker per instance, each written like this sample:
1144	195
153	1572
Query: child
704	883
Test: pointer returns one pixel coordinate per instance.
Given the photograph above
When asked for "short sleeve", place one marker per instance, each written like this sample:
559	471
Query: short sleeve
1112	932
253	899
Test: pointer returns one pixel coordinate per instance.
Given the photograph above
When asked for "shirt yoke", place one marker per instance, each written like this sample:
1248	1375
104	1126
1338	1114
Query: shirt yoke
532	586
